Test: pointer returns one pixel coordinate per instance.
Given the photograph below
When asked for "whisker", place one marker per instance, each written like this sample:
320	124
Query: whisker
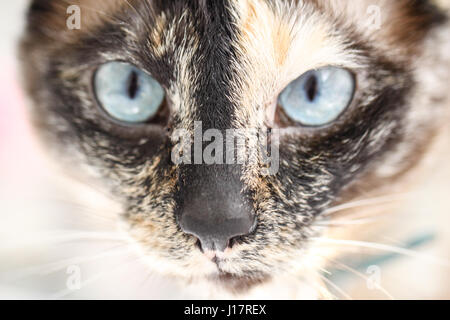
339	222
49	268
79	235
144	21
64	236
335	287
321	288
325	271
63	293
360	275
149	275
365	202
86	210
385	247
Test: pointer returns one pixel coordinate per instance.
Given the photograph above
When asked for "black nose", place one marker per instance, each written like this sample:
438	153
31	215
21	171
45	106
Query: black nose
215	232
212	206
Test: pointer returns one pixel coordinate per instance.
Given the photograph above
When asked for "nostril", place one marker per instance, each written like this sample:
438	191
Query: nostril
216	236
232	242
199	245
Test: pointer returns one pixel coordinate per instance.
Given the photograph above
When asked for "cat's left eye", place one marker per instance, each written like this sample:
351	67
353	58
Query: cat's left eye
127	93
318	97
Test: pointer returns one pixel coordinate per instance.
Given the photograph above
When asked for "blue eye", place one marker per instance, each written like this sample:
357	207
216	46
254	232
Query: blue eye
127	93
318	97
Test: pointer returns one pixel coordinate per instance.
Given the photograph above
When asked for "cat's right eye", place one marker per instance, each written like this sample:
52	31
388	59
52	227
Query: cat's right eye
127	93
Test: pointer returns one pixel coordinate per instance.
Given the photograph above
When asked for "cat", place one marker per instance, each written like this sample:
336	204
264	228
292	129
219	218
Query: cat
353	95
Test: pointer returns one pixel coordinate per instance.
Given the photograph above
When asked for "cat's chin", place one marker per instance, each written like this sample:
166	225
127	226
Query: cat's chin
237	283
227	285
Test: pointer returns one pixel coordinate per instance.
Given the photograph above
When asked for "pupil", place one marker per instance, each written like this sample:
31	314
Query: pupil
311	88
133	85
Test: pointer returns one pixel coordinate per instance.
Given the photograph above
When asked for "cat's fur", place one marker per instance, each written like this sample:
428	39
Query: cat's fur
224	63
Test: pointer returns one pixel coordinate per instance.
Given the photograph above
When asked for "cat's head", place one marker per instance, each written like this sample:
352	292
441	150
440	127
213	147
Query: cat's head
338	88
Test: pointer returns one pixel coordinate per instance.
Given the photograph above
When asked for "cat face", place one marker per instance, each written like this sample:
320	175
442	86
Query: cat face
224	65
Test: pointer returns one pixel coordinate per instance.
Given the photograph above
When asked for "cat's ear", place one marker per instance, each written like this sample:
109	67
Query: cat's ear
39	6
38	11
